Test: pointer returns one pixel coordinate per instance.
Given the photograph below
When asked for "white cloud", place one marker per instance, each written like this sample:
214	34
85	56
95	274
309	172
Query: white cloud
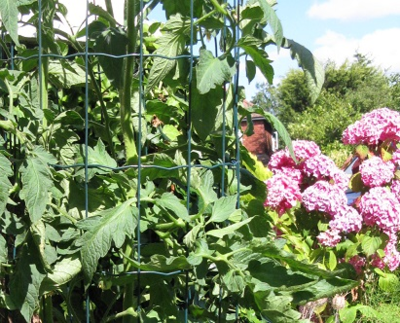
354	9
381	46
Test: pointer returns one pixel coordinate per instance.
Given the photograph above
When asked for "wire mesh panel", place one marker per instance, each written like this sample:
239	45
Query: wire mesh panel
126	193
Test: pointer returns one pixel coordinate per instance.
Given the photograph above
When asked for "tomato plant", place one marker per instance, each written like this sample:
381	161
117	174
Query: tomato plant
122	195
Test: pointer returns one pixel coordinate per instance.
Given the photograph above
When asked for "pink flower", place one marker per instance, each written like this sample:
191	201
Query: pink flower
358	263
396	157
377	261
378	125
319	166
346	219
323	197
376	172
322	167
281	159
341	179
380	207
396	189
303	149
295	174
283	193
329	238
391	258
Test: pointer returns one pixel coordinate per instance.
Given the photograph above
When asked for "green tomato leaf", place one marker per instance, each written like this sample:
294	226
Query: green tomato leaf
219	233
272	19
211	72
223	208
112	225
170	45
259	56
62	272
3	250
314	71
36	183
66	74
250	70
99	11
112	41
5	184
26	281
9	18
162	263
202	183
233	282
171	202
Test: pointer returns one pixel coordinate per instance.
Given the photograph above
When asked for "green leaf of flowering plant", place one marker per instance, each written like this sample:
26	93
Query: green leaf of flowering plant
370	245
362	151
356	184
388	282
385	155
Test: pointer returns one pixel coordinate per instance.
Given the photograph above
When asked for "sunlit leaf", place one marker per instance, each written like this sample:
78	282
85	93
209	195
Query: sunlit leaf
9	17
111	225
170	45
171	202
223	208
314	71
211	72
272	19
25	283
36	183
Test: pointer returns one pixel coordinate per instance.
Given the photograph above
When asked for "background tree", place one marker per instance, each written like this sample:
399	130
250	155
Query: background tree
349	90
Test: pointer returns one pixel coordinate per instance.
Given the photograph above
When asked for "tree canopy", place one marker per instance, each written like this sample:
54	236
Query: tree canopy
349	90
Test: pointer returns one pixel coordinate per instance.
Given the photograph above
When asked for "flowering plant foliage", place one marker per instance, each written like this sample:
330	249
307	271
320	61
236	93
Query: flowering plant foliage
310	201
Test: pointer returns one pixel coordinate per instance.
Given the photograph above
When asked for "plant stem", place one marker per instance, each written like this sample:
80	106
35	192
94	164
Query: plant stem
125	92
47	309
127	302
219	7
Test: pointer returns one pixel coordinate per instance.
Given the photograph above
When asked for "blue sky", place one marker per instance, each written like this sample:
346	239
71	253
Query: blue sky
336	29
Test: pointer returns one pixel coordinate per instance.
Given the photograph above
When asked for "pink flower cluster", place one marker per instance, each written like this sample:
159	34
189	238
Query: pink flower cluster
358	263
375	172
283	193
317	183
380	207
373	128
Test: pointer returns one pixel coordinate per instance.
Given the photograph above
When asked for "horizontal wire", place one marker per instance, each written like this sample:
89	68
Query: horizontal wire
99	166
148	272
80	54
